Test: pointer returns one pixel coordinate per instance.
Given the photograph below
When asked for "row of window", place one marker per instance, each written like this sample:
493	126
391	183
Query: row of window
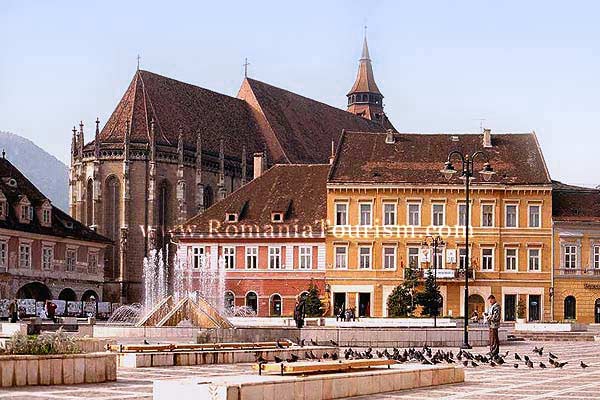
25	212
25	258
305	257
415	257
571	257
438	214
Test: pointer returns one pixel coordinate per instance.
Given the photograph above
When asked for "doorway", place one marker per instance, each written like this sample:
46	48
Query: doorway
534	307
476	304
510	306
597	311
339	303
364	304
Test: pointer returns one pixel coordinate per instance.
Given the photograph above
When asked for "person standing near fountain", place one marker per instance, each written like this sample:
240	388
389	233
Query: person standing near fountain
300	312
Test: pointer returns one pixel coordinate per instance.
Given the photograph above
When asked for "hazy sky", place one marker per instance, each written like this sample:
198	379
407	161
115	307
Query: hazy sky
441	65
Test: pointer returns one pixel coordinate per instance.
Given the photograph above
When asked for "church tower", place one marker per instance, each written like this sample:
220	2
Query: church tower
364	98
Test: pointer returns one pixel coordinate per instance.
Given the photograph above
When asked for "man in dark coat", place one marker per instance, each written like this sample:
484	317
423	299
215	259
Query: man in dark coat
300	312
492	317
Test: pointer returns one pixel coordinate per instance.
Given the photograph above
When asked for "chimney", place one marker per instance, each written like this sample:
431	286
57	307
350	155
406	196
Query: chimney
332	155
487	137
389	136
259	164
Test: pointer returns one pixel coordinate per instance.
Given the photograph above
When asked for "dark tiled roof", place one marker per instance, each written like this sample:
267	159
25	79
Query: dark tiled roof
299	191
174	104
575	203
303	128
62	224
418	158
365	80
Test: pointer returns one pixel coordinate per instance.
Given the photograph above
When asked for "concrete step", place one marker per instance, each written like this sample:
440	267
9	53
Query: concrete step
557	336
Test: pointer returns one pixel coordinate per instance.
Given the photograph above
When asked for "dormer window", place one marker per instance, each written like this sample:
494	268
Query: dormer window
276	217
46	217
3	206
231	217
45	213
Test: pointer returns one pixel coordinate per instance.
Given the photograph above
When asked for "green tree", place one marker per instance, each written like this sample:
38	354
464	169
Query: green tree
399	302
410	283
313	308
430	298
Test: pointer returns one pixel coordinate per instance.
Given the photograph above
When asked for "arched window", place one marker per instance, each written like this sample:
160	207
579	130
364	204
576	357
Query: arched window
88	294
252	301
229	299
570	307
112	220
208	196
89	203
67	294
275	305
34	290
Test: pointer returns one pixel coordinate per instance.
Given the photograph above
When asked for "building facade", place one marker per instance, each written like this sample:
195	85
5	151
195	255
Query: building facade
44	253
386	195
576	290
269	236
171	149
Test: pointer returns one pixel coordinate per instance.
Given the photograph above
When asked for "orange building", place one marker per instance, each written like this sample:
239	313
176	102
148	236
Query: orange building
385	195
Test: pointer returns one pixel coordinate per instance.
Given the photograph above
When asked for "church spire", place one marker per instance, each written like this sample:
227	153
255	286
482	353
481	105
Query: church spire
364	98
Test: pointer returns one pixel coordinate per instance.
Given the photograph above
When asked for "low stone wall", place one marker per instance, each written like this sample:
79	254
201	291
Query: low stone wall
93	345
318	387
550	327
64	369
181	358
134	334
353	336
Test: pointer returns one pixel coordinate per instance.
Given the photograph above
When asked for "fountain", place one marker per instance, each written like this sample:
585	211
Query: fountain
127	314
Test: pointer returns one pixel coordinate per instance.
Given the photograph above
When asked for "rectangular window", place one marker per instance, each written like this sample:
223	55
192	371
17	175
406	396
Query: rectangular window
511	260
341	214
47	258
305	256
414	214
534	259
25	213
92	262
251	257
438	258
389	213
413	257
534	216
274	257
511	216
341	257
46	217
25	255
487	215
364	259
229	257
487	259
3	254
197	257
389	257
596	261
462	258
70	260
437	211
462	214
570	256
365	213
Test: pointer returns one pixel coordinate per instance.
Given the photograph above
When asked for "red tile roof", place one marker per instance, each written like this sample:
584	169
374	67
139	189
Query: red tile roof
292	128
418	158
299	191
62	224
575	203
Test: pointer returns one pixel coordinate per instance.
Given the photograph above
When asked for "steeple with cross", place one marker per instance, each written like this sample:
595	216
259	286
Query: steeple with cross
246	63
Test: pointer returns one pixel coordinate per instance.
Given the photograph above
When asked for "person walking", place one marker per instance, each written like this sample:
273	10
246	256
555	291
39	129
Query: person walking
492	317
51	310
13	310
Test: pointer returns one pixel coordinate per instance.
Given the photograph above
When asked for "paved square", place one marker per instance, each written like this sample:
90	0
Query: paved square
504	383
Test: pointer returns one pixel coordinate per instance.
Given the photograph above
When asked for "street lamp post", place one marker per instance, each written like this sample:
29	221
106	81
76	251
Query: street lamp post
436	241
467	171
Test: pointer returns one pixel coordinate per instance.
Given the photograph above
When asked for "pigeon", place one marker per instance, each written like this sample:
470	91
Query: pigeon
333	343
325	355
530	364
552	355
473	364
465	363
560	364
334	356
302	343
583	365
542	365
313	342
277	359
279	345
260	359
517	356
293	357
516	365
493	364
526	357
146	342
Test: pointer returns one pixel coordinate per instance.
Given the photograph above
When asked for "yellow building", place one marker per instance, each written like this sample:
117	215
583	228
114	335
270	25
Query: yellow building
386	194
576	214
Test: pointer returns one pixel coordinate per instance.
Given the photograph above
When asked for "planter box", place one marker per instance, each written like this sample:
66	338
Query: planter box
542	327
59	369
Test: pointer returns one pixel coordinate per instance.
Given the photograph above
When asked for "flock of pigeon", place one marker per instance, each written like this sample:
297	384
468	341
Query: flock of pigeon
427	356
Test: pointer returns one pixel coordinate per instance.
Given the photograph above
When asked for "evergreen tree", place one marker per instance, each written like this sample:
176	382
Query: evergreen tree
410	283
399	302
313	302
430	298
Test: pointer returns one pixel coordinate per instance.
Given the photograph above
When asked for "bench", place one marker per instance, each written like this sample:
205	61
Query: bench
316	321
307	367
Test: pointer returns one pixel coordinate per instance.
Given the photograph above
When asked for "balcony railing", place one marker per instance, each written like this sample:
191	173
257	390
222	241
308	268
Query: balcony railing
569	271
447	273
587	271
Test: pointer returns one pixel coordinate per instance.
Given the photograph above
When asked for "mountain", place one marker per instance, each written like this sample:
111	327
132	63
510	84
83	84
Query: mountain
48	173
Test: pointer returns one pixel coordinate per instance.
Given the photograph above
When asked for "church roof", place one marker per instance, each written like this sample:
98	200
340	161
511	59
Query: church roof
575	203
418	158
14	186
297	190
365	80
300	127
292	128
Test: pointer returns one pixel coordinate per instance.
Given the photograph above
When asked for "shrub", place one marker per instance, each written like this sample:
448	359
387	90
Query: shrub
47	343
399	302
314	308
